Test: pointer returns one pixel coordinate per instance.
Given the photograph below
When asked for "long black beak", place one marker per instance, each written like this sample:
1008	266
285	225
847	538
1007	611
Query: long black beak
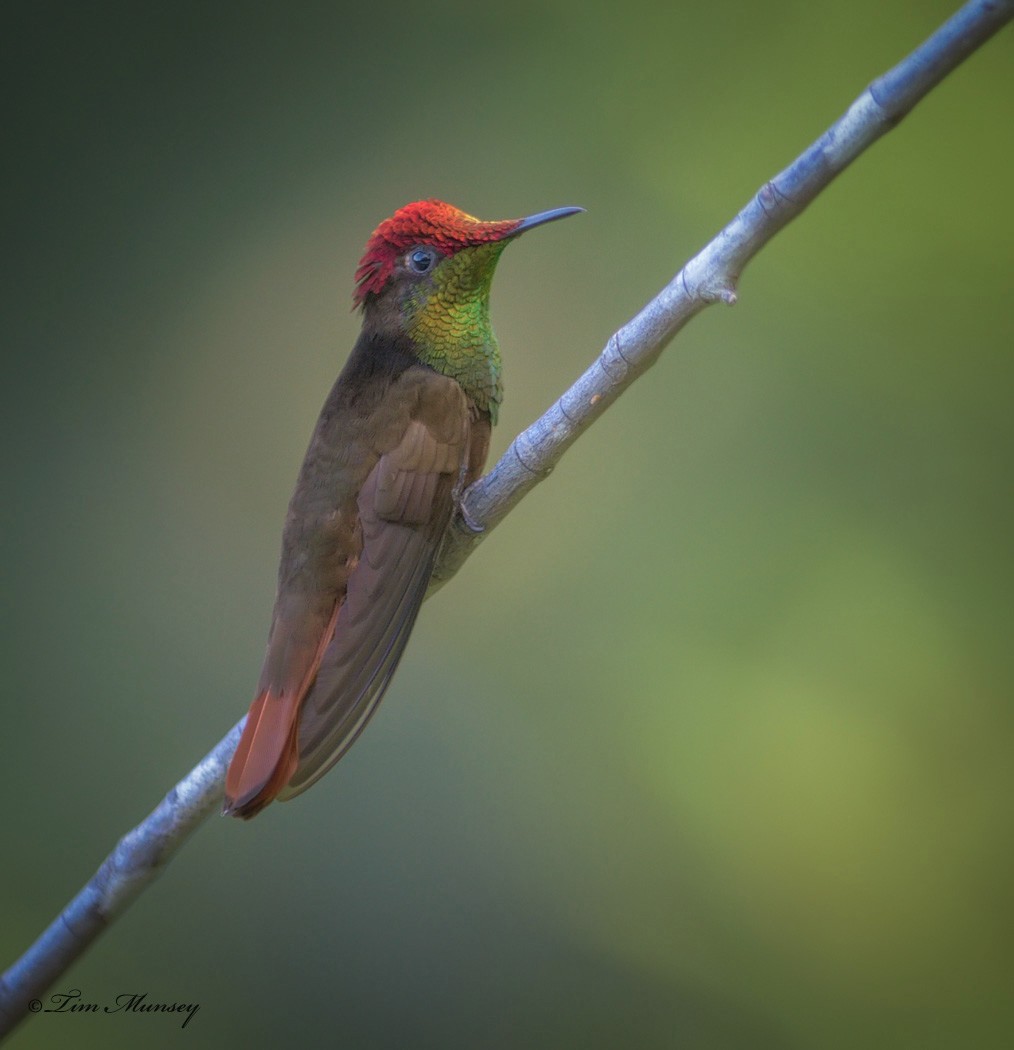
543	217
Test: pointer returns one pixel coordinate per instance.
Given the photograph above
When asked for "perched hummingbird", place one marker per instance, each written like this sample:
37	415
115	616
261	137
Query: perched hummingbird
403	432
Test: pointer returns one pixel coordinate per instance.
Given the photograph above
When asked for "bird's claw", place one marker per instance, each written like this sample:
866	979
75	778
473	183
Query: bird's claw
470	522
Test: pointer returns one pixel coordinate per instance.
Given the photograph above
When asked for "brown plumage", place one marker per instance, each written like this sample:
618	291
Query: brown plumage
396	443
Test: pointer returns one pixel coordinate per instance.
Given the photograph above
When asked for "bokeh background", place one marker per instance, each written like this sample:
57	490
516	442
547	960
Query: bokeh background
711	744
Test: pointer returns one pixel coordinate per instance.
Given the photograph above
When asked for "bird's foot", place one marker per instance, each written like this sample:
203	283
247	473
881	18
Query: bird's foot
470	522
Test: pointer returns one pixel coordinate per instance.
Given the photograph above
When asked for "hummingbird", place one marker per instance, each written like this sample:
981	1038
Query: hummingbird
404	431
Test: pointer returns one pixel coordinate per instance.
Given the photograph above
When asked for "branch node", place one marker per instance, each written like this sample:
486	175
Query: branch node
612	361
617	344
771	198
716	285
516	447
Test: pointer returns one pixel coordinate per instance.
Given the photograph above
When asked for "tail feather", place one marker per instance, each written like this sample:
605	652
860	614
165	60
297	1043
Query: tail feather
266	757
268	751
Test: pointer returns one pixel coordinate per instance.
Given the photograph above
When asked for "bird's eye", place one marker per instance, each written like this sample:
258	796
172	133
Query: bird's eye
421	259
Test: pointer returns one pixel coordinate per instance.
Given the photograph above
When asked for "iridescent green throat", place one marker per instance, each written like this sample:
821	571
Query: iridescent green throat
449	324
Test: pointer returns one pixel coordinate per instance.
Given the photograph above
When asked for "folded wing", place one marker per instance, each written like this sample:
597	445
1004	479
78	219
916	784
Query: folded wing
336	641
405	506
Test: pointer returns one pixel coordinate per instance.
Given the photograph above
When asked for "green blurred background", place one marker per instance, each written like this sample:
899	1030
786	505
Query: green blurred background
710	745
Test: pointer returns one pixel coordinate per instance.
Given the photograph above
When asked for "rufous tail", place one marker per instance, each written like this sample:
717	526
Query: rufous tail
267	755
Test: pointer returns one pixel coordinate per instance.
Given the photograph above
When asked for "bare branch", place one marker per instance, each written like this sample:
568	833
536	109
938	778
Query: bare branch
709	277
137	859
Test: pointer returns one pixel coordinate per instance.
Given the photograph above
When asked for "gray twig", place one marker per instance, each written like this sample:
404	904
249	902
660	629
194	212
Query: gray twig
707	278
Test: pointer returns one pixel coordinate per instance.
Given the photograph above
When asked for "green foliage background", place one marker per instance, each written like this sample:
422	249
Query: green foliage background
710	745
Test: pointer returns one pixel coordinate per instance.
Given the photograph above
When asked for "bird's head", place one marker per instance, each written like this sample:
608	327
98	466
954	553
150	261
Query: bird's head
432	263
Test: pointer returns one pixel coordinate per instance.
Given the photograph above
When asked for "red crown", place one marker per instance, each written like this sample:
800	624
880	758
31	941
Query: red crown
432	222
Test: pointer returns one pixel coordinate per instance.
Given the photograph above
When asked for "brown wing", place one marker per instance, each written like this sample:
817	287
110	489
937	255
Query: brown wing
375	494
404	508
